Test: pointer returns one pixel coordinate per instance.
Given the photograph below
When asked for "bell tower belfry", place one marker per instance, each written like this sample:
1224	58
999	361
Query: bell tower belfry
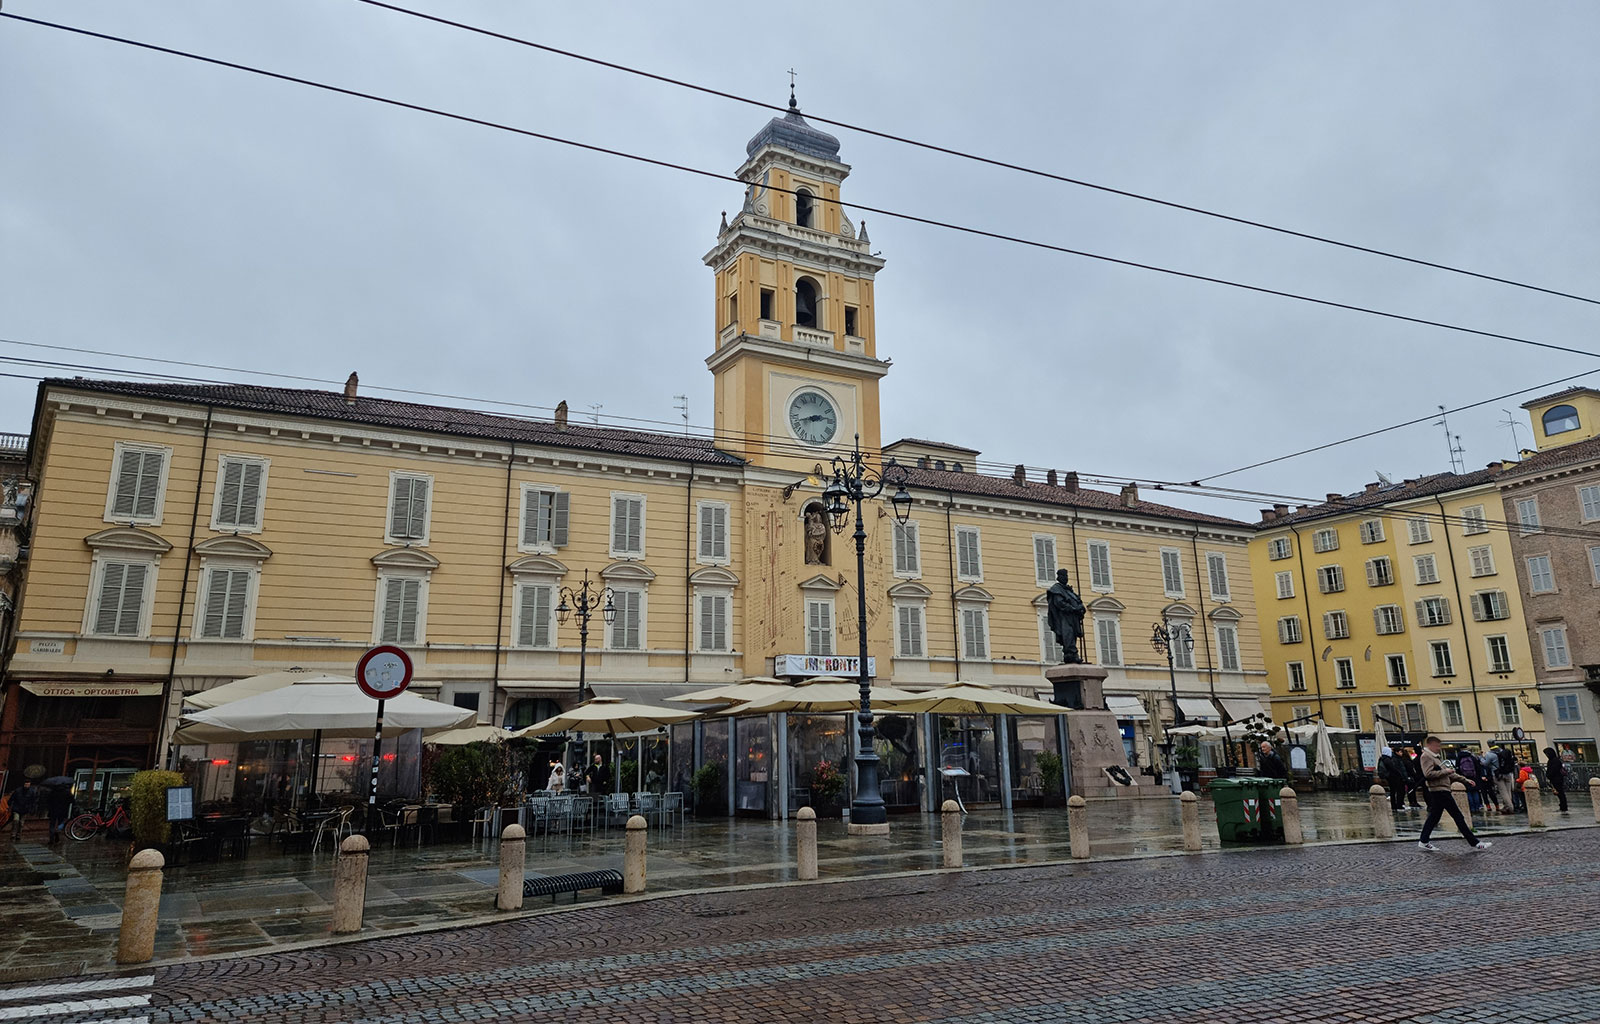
796	362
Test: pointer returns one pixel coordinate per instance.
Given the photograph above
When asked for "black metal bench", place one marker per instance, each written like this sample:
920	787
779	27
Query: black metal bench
609	882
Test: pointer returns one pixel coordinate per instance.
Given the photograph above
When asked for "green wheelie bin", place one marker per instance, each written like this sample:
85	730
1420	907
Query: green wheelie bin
1228	797
1269	808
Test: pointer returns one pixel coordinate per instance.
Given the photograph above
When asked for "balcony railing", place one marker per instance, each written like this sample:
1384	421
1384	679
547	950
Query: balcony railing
13	442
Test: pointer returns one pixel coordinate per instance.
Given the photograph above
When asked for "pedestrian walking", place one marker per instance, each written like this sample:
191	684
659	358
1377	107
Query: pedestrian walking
1505	781
1488	768
58	806
599	781
1555	770
1467	768
1414	782
1269	765
1393	772
1441	800
25	804
558	778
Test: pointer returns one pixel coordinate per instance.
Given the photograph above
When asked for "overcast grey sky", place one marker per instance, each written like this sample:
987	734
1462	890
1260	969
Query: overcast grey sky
161	207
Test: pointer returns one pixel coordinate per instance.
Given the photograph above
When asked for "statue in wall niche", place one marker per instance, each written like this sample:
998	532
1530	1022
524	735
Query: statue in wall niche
816	536
1066	617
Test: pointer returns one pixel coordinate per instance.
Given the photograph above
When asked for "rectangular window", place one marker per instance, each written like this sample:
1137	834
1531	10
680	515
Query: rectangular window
1300	711
850	321
1589	499
1172	572
119	608
1371	531
1554	640
1482	559
1325	540
1182	647
1473	521
1388	619
1285	581
819	627
138	478
1397	670
535	615
1490	606
1567	708
1099	565
1336	625
1049	647
1427	569
1419	530
1289	630
1044	559
1443	663
1411	717
1352	715
907	550
714	623
1297	675
714	532
1108	641
1594	563
969	555
1510	713
1344	673
237	505
627	633
1278	548
1330	579
400	617
545	514
409	499
1541	580
1433	611
627	525
909	629
1228	648
1217	568
1385	712
975	633
1451	711
1499	653
225	600
766	303
1380	572
1528	514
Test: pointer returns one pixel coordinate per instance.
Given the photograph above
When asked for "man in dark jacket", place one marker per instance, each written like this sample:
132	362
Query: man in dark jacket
1269	765
25	804
1393	773
1414	781
1556	771
58	804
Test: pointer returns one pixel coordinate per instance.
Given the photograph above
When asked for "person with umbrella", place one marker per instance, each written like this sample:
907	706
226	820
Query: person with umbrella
24	804
58	805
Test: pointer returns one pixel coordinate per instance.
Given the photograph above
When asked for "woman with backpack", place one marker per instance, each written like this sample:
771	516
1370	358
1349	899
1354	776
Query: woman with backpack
1467	768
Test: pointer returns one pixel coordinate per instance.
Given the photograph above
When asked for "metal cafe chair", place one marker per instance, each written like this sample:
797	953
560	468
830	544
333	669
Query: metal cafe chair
672	807
618	806
558	817
649	806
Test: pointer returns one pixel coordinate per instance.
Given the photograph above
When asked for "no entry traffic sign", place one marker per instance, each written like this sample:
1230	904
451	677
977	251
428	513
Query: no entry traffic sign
384	672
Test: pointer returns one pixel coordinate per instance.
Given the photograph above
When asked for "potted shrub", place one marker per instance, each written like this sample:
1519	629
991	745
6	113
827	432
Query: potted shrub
147	807
707	785
1050	777
1188	761
828	783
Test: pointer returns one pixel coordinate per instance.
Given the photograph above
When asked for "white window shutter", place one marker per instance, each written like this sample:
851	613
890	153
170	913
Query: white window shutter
707	532
149	483
1218	565
228	489
238	593
619	524
532	513
527	615
708	626
250	494
419	509
720	539
1044	558
127	487
1372	572
1171	572
216	598
132	603
107	614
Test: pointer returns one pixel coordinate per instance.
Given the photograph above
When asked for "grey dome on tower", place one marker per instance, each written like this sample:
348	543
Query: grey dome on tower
791	131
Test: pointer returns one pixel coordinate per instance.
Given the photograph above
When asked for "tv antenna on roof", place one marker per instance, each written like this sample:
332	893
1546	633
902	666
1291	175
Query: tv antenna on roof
1516	443
683	410
1383	478
594	411
1452	443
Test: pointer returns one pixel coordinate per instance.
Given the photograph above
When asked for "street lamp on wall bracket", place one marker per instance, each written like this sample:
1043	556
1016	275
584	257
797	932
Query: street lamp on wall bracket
583	602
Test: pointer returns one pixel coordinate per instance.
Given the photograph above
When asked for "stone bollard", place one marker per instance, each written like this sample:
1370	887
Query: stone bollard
950	832
1535	798
141	907
1294	832
1078	827
633	854
1594	798
1458	793
1382	813
513	858
350	885
1191	821
806	833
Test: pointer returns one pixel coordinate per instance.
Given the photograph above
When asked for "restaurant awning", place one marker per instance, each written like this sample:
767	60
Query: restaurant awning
1197	709
1127	709
1240	708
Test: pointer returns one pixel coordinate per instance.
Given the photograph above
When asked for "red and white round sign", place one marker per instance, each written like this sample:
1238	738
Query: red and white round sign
384	672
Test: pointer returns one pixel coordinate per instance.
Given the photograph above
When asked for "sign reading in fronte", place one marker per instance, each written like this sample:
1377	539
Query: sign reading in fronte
85	689
821	665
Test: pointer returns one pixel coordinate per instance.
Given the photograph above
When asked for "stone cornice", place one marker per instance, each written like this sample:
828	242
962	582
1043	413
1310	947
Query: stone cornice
791	354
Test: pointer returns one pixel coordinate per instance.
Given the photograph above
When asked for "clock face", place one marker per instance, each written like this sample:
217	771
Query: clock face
813	418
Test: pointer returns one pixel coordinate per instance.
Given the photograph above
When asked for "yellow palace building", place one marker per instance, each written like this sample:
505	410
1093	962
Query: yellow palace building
186	535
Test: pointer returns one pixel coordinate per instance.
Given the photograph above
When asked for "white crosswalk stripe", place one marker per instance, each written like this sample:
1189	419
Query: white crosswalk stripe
100	996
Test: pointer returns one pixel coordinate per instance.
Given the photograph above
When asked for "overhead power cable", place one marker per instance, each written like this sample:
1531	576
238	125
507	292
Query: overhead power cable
718	176
966	155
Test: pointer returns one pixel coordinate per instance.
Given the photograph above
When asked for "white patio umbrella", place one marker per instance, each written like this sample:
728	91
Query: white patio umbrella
1379	739
305	709
961	698
1326	763
464	734
239	689
742	692
825	694
609	716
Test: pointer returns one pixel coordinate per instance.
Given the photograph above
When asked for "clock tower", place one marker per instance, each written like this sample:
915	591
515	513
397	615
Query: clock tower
796	364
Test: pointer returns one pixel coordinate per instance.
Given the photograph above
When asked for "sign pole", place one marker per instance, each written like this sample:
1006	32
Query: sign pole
372	790
382	673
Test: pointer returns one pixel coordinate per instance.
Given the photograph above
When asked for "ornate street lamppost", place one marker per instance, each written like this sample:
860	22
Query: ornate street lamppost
1165	637
584	601
853	481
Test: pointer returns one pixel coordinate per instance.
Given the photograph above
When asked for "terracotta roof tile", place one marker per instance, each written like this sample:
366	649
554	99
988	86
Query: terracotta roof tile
1554	458
1422	487
1042	493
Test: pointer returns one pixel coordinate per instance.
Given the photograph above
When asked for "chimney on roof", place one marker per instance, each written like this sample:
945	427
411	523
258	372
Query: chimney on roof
1268	515
1130	495
1071	482
1372	488
1334	496
1019	476
1302	508
350	383
1050	477
1282	510
1495	467
561	415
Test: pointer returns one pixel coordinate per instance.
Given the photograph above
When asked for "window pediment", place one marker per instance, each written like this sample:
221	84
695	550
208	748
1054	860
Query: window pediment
910	589
233	547
973	595
1107	606
537	565
128	538
1225	614
820	582
713	576
405	558
627	572
1178	610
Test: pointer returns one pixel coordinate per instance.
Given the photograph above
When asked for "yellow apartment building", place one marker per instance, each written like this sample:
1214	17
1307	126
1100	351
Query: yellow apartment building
187	535
1399	601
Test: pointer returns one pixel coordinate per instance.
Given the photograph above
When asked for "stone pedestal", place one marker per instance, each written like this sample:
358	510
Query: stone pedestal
1079	687
1094	742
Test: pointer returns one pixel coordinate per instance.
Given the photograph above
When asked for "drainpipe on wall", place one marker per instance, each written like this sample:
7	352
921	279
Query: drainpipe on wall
183	586
950	552
500	605
1461	609
1305	596
1202	582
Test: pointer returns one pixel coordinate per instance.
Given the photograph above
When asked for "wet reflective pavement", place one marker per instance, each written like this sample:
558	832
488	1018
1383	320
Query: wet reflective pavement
62	908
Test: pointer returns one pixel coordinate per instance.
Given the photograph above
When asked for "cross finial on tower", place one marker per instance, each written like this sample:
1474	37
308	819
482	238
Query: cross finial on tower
793	103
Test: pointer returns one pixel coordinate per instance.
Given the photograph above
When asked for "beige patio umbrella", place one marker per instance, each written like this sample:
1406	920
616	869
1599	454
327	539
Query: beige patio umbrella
961	698
461	736
825	694
239	689
1326	764
742	692
308	709
608	716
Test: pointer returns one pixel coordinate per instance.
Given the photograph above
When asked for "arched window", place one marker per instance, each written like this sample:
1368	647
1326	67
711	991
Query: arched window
803	209
1560	419
805	302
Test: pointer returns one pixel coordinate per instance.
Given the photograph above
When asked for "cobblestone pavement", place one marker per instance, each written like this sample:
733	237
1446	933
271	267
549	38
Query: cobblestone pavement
1380	932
